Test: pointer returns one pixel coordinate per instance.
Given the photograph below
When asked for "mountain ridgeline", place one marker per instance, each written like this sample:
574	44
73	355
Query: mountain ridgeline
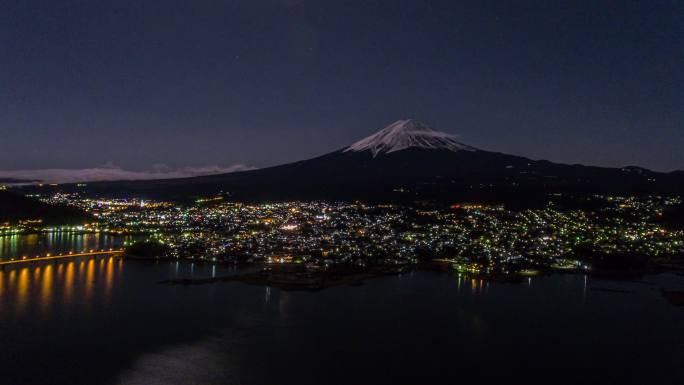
408	162
15	208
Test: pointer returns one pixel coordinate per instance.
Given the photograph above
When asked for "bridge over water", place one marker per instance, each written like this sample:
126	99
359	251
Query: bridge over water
50	257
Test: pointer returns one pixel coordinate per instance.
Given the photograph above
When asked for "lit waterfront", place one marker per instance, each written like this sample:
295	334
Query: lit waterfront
604	233
30	245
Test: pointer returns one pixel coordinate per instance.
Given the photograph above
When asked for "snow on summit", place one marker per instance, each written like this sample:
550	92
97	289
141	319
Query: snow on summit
404	134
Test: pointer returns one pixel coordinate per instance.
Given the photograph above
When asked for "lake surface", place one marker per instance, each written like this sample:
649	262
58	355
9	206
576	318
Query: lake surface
30	245
108	321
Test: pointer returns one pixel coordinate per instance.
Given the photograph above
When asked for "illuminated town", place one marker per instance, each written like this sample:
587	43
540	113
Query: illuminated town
472	238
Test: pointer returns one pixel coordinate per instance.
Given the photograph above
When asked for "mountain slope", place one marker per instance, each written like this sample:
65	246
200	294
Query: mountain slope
14	208
404	134
406	162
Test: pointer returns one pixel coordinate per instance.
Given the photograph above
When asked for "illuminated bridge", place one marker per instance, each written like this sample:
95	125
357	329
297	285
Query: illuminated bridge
50	257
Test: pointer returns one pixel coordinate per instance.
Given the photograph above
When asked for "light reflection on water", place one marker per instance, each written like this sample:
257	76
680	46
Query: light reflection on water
31	245
143	331
46	289
62	288
50	284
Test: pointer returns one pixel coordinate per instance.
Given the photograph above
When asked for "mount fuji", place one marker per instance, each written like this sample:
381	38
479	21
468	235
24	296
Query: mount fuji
407	162
404	134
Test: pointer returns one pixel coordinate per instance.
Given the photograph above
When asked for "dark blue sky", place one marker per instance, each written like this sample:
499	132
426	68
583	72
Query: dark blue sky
191	83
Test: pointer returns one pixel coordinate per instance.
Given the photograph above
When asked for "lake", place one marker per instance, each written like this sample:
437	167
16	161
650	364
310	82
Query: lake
108	321
30	245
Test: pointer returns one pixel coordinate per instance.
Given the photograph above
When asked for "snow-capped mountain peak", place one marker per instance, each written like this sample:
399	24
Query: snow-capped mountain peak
404	134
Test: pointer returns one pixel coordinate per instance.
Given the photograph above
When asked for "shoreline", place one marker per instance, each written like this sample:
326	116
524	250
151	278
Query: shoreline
296	277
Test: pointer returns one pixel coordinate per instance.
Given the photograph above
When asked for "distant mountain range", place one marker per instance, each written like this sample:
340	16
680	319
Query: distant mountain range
14	181
407	162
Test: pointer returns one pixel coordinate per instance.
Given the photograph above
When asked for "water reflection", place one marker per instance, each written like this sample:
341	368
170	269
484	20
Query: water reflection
62	288
267	295
69	281
89	280
477	285
30	245
109	276
41	289
22	290
75	308
46	289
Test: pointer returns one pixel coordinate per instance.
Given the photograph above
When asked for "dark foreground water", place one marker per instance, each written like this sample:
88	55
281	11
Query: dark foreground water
107	321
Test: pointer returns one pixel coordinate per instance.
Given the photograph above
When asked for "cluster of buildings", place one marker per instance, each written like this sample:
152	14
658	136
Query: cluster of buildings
476	238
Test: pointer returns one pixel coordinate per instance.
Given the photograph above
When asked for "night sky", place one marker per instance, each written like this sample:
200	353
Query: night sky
198	83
